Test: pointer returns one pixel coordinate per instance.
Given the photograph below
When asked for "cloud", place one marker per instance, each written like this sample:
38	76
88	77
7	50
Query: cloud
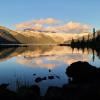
54	25
70	27
23	25
46	21
74	27
34	23
37	27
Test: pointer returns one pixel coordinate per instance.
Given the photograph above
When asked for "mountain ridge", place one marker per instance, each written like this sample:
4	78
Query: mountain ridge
32	37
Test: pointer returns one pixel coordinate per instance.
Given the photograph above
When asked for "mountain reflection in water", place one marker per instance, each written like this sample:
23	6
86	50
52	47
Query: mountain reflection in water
42	65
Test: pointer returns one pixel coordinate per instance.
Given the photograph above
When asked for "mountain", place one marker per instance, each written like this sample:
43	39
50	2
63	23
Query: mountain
8	36
42	37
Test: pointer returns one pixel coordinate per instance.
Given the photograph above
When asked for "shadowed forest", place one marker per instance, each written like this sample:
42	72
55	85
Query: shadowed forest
91	42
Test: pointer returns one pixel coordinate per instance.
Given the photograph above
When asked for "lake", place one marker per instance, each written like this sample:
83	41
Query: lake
26	65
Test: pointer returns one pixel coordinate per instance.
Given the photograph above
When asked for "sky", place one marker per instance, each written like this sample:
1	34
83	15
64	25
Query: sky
17	11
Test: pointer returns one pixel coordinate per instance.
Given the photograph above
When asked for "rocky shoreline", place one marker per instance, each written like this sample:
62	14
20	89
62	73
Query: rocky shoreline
84	83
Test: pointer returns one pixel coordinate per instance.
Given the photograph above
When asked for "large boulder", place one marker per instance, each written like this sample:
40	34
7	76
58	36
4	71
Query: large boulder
82	71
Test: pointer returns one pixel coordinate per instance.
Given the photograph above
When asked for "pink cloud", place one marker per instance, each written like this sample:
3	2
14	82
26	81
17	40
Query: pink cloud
51	25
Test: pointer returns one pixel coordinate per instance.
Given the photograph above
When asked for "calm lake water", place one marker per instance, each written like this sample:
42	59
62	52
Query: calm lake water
23	65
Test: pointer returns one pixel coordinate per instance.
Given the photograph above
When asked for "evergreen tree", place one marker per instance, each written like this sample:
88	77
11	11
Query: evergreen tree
94	32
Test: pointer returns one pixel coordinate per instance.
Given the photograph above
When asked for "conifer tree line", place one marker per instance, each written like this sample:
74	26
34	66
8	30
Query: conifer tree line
91	41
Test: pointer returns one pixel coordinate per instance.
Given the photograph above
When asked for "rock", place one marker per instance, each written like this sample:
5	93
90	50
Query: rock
50	77
37	80
82	71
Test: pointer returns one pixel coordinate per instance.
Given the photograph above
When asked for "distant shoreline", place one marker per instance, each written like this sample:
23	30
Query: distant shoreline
29	44
25	45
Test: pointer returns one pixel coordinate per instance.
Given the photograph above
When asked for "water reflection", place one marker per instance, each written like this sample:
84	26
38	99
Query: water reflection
93	52
41	65
46	56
